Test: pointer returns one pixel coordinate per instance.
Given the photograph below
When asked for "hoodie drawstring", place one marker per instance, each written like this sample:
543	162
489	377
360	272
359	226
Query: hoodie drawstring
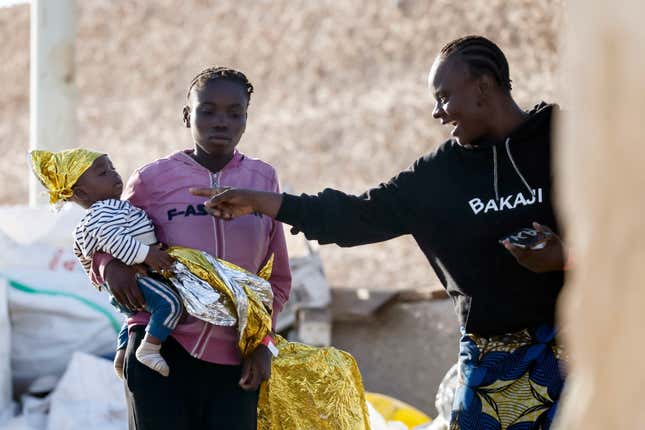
510	157
495	178
507	144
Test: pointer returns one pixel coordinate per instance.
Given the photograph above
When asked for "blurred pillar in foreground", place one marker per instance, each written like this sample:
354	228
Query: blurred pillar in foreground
52	89
601	176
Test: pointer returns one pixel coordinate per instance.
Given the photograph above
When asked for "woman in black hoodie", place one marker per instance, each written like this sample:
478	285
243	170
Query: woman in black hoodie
464	204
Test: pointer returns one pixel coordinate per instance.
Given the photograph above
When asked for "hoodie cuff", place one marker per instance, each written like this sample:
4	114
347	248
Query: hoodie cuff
141	254
277	308
289	211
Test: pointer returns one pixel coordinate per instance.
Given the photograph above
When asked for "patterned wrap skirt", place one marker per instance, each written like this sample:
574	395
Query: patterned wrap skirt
508	382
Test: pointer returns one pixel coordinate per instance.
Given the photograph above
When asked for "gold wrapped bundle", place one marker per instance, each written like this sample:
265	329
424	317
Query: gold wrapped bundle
310	388
243	295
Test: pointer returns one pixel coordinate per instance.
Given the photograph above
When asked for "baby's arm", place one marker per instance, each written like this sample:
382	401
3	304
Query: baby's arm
112	238
108	232
104	230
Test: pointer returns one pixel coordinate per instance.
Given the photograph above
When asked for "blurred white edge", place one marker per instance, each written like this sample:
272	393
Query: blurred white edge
9	3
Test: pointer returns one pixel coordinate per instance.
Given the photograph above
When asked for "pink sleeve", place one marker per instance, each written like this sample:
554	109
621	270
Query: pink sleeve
281	275
136	194
99	261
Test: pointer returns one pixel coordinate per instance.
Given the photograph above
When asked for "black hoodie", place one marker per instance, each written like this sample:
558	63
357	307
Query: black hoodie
457	203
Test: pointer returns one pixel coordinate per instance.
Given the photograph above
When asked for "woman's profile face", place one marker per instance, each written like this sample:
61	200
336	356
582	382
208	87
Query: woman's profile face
458	99
218	116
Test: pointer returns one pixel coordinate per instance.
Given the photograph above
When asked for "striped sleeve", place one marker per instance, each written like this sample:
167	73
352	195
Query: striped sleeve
86	263
108	227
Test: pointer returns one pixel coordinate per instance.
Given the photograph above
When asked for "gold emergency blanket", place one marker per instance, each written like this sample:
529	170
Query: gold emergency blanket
312	389
199	297
243	298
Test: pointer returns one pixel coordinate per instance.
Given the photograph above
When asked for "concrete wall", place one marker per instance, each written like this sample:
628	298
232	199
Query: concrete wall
602	177
340	86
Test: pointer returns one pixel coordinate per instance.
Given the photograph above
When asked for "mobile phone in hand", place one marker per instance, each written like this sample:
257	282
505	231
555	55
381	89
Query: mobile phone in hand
527	238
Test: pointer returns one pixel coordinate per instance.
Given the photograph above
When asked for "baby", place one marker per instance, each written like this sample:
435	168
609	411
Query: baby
115	227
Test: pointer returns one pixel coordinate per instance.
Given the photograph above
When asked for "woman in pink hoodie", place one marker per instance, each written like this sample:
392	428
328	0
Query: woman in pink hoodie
209	385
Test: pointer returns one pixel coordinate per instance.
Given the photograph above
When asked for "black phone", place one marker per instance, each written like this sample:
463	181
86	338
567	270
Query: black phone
527	238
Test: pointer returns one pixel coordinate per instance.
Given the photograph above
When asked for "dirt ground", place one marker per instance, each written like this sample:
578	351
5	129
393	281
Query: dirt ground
405	351
340	98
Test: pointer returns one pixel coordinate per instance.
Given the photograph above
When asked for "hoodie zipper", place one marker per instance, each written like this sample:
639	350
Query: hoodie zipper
199	348
217	224
214	180
204	337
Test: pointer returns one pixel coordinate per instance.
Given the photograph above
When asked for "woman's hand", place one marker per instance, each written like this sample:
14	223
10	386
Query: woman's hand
158	259
256	368
119	359
230	203
549	258
122	281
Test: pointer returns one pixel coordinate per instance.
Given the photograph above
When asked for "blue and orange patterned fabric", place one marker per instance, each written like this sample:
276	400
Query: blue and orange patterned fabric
508	382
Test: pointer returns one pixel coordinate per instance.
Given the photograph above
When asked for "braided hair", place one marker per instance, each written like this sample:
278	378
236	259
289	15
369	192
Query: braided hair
482	56
212	73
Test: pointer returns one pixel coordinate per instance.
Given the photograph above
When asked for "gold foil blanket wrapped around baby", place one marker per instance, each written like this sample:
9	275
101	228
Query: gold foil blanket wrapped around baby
310	388
224	294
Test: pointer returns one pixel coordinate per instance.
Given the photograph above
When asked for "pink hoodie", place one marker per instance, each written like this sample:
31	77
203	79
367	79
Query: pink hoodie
161	189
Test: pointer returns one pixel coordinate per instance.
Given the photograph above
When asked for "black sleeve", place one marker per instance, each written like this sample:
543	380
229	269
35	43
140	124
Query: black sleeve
332	216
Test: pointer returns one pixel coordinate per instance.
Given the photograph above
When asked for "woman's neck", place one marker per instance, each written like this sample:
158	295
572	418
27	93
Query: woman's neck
508	117
213	162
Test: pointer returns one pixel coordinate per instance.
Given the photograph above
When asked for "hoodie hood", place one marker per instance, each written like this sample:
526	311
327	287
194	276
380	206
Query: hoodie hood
537	122
536	125
184	157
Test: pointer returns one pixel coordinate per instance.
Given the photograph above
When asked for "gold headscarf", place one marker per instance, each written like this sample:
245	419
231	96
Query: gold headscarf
59	171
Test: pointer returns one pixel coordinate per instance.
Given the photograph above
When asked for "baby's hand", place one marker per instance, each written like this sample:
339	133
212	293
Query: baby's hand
158	259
